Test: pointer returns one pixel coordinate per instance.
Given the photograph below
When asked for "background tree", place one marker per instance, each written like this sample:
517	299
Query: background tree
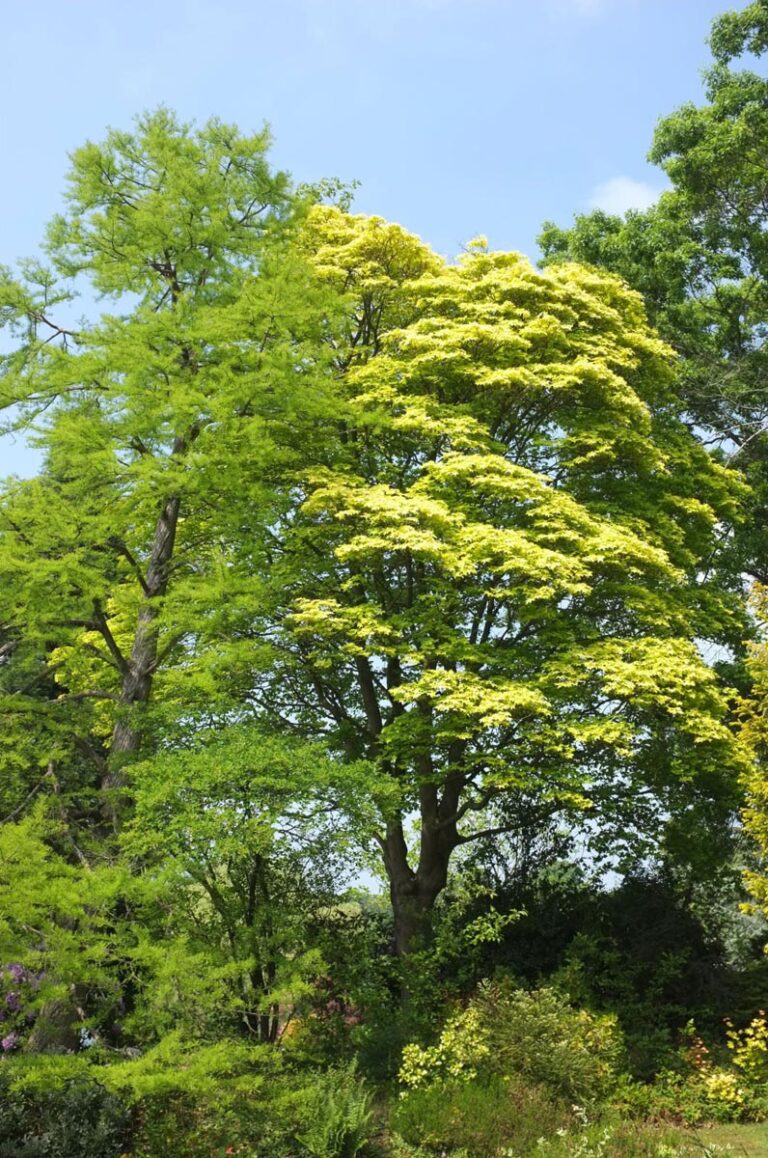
700	259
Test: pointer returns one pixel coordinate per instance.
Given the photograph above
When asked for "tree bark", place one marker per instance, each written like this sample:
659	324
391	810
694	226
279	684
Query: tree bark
413	892
56	1028
140	666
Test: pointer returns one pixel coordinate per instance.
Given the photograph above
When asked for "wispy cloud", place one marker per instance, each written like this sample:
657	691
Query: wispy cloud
623	193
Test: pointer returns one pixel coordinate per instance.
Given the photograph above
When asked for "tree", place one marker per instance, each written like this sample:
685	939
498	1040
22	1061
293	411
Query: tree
699	258
755	732
131	565
483	576
494	590
127	567
244	838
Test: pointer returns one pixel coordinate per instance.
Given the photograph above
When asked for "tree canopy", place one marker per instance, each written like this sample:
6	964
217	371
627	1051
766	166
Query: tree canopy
482	573
347	561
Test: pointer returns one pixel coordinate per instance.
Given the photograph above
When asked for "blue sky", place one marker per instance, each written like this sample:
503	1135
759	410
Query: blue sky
457	117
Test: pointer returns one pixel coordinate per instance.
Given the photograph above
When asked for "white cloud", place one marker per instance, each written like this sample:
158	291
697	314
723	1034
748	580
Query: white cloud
623	193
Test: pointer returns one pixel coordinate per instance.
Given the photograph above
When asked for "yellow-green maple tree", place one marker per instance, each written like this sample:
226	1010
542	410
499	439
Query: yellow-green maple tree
494	590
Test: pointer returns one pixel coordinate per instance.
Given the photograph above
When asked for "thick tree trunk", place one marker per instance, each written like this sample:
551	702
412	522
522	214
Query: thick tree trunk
412	909
140	666
56	1028
413	892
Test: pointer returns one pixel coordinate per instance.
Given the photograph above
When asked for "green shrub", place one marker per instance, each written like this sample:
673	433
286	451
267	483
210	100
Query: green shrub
483	1116
711	1094
71	1107
536	1035
335	1114
709	1086
539	1035
79	1119
458	1054
188	1126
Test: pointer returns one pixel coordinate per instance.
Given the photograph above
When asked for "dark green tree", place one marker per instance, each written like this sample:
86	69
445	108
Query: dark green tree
700	259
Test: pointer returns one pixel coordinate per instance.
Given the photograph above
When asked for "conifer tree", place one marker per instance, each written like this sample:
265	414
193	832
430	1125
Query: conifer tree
165	425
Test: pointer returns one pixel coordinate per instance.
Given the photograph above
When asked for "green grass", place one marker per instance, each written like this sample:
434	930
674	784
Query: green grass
744	1141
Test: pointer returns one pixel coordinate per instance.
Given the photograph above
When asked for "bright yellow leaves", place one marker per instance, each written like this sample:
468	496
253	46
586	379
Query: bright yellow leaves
489	703
504	545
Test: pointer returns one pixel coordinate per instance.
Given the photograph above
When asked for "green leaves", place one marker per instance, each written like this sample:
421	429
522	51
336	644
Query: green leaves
328	529
171	428
497	587
167	209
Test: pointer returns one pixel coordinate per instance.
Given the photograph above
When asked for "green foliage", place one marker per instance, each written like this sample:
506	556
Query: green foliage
755	733
193	1101
249	834
714	1094
59	924
210	940
479	581
335	1117
537	1036
166	428
496	612
706	1084
330	532
481	1118
540	1035
749	1048
699	259
79	1118
461	1050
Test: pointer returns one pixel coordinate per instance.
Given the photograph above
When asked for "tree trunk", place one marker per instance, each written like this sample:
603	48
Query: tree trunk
56	1028
413	892
412	908
140	666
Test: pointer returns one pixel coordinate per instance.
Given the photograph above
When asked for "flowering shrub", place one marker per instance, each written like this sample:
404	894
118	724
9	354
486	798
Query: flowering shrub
705	1090
721	1092
17	990
711	1094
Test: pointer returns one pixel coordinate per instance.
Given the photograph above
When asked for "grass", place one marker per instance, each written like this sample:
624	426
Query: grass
745	1141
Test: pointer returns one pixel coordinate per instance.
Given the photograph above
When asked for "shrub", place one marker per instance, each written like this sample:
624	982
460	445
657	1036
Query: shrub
536	1035
79	1119
540	1035
711	1094
483	1117
750	1049
461	1048
702	1089
335	1114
